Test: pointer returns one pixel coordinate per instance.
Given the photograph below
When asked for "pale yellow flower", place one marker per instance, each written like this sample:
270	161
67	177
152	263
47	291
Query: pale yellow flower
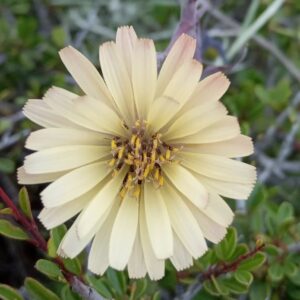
143	158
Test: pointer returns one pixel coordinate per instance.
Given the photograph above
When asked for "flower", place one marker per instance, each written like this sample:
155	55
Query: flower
143	158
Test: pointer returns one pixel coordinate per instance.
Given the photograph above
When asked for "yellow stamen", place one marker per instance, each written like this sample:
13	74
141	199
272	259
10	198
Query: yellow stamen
121	152
113	144
168	154
128	181
123	192
147	170
133	138
161	180
161	158
137	191
112	162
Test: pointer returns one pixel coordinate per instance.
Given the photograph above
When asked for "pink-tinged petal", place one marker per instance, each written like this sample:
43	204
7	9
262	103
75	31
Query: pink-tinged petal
178	91
211	89
182	51
125	41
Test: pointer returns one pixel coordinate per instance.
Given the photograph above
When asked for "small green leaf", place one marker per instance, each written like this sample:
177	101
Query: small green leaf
117	281
290	268
225	249
73	265
9	230
276	272
24	203
9	293
210	288
252	263
243	277
67	294
56	235
272	250
6	211
49	269
241	249
140	289
7	165
235	286
220	287
37	291
296	278
285	213
99	286
58	36
156	296
259	290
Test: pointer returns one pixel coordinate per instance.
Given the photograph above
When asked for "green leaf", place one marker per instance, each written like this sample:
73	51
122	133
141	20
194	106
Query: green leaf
9	293
37	291
285	213
241	249
244	277
58	36
276	272
24	203
6	211
156	296
56	235
235	286
296	278
117	281
220	287
259	290
210	288
99	286
272	250
9	230
73	265
139	289
49	269
252	263
7	165
225	249
290	268
67	294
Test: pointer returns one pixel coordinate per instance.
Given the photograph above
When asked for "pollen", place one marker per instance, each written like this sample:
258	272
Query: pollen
144	154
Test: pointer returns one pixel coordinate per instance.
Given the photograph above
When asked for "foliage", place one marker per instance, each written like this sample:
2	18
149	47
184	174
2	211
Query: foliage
259	258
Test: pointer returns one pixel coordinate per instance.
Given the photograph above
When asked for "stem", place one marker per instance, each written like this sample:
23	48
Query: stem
39	241
217	271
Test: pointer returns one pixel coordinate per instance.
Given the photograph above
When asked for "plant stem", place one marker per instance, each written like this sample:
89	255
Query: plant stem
39	241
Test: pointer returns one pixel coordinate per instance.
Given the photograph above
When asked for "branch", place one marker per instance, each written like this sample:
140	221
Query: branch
38	240
189	24
216	271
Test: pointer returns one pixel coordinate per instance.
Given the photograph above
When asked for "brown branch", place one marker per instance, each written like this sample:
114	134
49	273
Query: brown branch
218	270
225	268
189	24
39	242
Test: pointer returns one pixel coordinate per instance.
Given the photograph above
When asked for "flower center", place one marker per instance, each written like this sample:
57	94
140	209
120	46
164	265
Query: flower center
144	154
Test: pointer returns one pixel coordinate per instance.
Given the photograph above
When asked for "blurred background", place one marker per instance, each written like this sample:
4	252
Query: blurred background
265	74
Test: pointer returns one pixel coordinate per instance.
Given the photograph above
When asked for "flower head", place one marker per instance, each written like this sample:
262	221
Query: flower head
142	158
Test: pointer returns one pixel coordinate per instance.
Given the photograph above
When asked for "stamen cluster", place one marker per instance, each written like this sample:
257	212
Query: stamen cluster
144	154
